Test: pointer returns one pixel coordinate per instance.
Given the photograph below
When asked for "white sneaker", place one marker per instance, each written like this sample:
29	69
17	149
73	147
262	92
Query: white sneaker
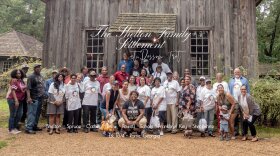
17	131
14	131
161	133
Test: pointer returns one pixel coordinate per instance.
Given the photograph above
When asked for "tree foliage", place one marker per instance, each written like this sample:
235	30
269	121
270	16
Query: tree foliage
26	16
268	29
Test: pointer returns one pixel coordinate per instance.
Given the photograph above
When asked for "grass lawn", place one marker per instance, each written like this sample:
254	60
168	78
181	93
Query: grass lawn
4	113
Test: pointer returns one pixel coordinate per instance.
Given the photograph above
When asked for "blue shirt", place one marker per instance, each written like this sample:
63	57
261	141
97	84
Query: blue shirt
48	84
128	63
243	80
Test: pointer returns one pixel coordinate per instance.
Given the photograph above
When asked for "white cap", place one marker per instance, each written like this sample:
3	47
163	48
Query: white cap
202	77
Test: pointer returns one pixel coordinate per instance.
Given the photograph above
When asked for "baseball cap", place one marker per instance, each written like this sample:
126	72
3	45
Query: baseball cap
202	78
54	71
24	66
146	61
208	80
169	72
37	65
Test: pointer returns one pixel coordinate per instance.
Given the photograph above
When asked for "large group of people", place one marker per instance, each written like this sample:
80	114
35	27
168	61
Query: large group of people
134	94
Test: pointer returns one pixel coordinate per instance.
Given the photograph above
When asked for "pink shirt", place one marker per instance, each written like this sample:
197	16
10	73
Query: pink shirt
19	87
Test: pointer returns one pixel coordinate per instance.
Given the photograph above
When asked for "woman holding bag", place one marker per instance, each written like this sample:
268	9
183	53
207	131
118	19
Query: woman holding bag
250	111
55	106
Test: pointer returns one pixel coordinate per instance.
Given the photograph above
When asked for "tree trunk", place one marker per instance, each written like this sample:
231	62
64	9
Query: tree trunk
273	35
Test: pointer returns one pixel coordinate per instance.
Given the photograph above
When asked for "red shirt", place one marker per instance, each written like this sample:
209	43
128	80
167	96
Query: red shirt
103	79
120	76
67	79
19	87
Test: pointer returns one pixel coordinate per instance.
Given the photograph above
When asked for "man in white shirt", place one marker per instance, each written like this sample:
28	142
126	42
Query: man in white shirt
165	67
219	79
172	88
200	87
90	102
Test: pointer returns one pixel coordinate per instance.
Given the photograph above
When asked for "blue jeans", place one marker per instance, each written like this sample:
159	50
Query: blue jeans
103	111
209	117
15	114
33	113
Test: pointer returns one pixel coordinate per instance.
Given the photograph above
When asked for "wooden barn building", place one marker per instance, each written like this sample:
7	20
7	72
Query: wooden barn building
205	36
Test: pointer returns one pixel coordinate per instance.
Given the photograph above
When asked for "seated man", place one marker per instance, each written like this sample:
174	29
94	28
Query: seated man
133	115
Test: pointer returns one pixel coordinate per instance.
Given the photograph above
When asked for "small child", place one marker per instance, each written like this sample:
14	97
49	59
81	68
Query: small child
224	118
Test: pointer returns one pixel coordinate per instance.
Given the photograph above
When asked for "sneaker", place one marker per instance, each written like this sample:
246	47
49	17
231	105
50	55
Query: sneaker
30	132
202	134
143	133
211	135
227	139
13	132
244	138
173	132
254	139
221	138
17	131
161	133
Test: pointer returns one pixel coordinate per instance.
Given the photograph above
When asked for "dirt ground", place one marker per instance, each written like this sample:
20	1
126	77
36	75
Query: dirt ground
94	143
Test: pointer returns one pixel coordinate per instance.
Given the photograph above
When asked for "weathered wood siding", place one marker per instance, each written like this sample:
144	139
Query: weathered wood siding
231	25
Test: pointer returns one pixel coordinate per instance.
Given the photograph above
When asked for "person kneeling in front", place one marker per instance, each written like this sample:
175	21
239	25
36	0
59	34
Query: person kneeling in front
133	116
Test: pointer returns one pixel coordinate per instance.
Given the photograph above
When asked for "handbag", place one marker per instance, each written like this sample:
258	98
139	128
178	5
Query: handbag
154	121
202	124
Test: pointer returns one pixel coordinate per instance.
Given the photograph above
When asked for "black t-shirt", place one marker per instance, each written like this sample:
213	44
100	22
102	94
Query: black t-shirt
35	84
133	112
135	72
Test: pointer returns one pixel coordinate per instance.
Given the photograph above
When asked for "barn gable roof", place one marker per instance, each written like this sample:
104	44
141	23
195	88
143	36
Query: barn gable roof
152	23
14	43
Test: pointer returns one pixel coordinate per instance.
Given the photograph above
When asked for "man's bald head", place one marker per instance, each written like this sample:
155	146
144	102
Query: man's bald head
237	73
219	77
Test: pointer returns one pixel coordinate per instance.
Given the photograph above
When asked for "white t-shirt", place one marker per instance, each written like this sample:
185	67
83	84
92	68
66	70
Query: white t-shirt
161	75
165	67
171	90
156	94
91	89
208	98
198	92
72	97
236	88
144	92
132	88
106	88
58	94
215	87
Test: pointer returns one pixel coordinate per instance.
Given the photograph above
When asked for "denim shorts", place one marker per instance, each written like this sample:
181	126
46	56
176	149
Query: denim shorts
224	128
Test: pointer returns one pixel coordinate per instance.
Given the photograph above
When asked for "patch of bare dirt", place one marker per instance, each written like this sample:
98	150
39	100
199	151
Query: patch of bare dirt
94	143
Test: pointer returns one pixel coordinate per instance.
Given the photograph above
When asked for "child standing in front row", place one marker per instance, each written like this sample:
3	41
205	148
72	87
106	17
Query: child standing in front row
224	118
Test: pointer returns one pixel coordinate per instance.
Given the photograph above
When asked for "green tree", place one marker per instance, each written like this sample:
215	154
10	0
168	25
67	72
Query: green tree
268	28
26	16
